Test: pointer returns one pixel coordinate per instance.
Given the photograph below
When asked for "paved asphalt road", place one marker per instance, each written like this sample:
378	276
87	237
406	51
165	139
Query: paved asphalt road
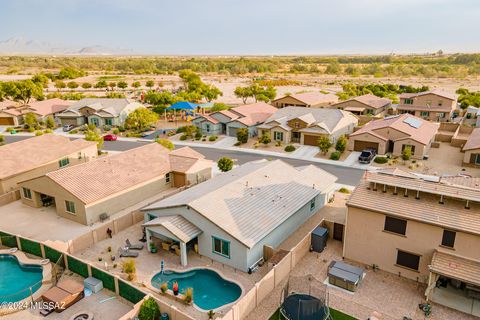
348	176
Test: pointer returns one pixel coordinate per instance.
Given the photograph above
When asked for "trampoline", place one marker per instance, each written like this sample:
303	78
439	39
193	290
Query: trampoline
303	307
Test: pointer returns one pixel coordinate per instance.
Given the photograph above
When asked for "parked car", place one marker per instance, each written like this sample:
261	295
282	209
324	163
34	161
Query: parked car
67	127
110	137
367	156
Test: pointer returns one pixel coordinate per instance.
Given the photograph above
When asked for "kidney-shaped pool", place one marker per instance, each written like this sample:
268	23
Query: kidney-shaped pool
16	279
210	290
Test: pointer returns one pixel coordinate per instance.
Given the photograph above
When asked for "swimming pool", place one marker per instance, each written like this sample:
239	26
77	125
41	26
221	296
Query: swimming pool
17	278
210	290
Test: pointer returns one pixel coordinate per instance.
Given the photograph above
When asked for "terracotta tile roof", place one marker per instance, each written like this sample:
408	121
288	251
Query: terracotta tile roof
461	180
440	93
424	133
255	113
50	106
313	98
187	152
473	141
456	267
21	156
369	100
7	104
95	180
180	227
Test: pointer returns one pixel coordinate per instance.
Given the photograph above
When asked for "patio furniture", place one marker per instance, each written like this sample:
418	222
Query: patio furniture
174	248
62	296
177	251
131	246
344	275
125	253
166	245
94	284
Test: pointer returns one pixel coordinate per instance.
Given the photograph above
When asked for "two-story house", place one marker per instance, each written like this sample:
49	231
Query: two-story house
423	228
367	104
432	105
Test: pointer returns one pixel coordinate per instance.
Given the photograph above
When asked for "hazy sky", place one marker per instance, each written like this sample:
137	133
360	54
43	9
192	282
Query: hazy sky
249	26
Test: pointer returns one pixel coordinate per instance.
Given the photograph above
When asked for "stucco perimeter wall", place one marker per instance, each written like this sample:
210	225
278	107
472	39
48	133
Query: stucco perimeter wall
366	242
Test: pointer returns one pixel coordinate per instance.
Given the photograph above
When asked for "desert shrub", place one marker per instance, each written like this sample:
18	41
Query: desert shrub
198	135
341	144
2	138
48	131
116	131
407	153
149	310
242	135
212	138
265	139
31	129
344	190
225	164
335	155
164	287
380	160
324	144
289	148
166	143
121	128
188	295
278	143
38	133
129	266
183	137
237	143
73	131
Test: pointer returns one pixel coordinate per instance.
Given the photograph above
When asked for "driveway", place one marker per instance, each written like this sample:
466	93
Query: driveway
305	152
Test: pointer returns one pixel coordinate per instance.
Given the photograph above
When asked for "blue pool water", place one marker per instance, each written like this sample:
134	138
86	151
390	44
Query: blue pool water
210	290
16	279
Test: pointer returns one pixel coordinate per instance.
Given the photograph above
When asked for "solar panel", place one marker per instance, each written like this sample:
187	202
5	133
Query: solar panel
415	123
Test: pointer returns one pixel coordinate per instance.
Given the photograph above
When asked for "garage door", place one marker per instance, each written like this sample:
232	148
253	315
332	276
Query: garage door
362	145
6	121
310	140
232	132
179	180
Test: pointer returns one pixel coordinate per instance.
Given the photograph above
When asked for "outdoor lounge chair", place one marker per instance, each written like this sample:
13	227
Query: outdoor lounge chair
131	246
62	296
126	253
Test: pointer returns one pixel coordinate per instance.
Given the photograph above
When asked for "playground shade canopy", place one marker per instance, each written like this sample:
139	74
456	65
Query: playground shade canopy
183	105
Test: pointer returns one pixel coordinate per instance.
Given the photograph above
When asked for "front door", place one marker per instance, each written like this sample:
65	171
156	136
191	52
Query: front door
94	121
296	137
338	231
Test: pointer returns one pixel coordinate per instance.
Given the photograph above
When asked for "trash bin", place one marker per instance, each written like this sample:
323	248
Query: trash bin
319	239
164	316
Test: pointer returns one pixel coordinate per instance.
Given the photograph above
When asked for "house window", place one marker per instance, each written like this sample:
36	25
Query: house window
221	247
167	178
424	114
108	122
441	114
476	158
63	162
370	112
395	225
312	204
207	126
408	101
448	238
27	193
296	125
408	260
440	103
70	206
277	136
412	148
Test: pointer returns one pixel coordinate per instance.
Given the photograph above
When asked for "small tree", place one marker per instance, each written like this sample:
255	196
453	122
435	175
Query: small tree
149	310
30	119
225	164
407	153
141	119
101	84
93	134
86	85
324	144
130	269
136	84
242	135
341	144
112	85
166	143
50	123
72	85
122	85
265	139
2	139
59	84
150	83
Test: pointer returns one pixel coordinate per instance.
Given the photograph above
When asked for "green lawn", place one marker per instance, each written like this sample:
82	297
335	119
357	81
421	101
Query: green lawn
336	315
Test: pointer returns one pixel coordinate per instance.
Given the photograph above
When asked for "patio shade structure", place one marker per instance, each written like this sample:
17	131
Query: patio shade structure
176	228
183	105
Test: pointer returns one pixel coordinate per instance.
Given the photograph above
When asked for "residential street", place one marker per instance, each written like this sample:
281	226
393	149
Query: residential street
348	176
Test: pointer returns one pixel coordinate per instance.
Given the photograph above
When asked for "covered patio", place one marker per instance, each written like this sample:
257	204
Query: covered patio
454	282
175	233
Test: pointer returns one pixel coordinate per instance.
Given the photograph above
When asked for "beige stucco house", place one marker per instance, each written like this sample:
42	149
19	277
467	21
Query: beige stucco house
424	229
97	189
99	112
432	105
471	148
307	125
34	157
368	104
12	113
393	134
307	100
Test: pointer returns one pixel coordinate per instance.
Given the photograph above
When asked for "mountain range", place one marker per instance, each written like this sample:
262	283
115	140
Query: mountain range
19	45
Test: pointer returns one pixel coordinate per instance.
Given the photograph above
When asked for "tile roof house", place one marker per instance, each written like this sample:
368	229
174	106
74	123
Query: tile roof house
234	215
33	157
85	192
434	105
471	148
423	228
229	121
368	104
306	125
393	134
99	111
13	113
312	99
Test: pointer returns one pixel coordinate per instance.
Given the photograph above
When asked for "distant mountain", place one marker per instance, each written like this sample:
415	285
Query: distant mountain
19	45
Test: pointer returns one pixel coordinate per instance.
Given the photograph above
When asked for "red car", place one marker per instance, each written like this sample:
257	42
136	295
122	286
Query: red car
110	137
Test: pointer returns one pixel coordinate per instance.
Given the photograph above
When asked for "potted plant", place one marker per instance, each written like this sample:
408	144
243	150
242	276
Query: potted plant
164	287
175	288
188	296
153	248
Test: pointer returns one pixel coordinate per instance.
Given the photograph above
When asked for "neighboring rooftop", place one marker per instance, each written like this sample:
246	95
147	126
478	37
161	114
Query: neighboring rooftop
49	106
327	119
370	100
24	155
417	129
100	178
440	93
112	106
253	199
313	98
473	141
